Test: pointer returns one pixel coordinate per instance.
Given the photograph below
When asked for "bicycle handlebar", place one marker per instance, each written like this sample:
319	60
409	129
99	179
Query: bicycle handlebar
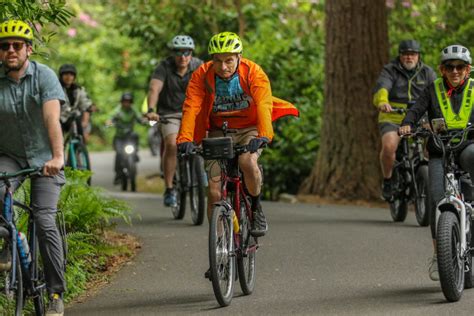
24	172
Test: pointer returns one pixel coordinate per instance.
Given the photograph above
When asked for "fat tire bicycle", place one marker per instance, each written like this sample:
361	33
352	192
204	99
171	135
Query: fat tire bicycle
410	178
454	222
24	279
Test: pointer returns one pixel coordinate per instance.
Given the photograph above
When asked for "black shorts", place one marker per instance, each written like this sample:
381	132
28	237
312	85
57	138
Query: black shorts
386	127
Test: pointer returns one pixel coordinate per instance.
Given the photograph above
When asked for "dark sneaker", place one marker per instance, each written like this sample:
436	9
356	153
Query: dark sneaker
56	306
259	223
5	260
387	192
207	274
170	198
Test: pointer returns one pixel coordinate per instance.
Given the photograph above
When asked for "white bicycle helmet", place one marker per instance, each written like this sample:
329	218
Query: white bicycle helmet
181	42
456	52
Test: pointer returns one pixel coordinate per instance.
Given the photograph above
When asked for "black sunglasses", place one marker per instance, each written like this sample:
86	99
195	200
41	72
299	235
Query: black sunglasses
185	53
17	46
451	67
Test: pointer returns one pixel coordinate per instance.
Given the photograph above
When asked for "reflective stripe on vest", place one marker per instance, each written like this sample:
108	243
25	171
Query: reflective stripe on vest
453	120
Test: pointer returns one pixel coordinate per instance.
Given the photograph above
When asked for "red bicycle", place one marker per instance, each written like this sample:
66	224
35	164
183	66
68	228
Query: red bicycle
229	231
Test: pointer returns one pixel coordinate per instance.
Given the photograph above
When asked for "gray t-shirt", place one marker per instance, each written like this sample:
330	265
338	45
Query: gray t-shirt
23	135
174	86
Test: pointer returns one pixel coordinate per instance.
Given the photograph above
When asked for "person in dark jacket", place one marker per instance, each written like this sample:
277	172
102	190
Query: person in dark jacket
399	84
450	98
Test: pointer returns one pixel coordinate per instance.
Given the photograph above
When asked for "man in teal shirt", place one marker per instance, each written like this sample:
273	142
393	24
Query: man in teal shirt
30	136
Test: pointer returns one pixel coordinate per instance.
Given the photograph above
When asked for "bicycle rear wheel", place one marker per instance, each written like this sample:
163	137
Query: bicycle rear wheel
450	259
221	255
196	193
246	261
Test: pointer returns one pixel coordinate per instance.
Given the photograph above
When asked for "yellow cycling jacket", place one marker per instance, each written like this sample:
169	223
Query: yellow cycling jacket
200	95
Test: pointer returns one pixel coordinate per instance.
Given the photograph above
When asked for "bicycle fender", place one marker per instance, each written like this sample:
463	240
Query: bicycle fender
226	205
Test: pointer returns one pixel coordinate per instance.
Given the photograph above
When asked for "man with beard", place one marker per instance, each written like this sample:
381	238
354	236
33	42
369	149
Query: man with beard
399	85
167	92
30	137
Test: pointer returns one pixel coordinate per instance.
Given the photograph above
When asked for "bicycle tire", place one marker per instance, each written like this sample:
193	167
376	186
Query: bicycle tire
82	159
450	262
422	202
399	205
468	274
40	300
246	261
14	294
179	210
221	255
132	173
197	196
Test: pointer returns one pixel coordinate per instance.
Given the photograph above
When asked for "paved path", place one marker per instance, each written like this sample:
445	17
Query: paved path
316	260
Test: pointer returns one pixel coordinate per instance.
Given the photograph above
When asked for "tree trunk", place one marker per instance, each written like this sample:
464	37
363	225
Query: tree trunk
347	165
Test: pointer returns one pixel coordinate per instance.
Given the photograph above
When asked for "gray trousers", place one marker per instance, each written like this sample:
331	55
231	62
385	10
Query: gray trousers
436	174
44	199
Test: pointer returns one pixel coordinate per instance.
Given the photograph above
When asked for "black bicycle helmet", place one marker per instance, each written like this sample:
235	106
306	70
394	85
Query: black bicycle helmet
67	68
127	96
409	46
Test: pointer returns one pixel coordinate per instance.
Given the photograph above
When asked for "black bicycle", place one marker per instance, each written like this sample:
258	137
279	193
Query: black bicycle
410	178
21	272
190	178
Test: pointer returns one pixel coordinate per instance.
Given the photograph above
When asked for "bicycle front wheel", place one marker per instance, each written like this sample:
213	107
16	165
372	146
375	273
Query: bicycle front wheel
422	204
82	159
450	258
179	183
399	205
196	193
221	255
12	287
246	261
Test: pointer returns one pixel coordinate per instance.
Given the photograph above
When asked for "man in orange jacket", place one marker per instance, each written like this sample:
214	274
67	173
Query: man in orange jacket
231	89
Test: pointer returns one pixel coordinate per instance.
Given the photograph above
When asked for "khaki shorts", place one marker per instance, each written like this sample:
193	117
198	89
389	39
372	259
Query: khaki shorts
171	127
242	137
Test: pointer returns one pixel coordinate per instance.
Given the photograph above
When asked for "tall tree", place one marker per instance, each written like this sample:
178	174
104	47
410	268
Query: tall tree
347	165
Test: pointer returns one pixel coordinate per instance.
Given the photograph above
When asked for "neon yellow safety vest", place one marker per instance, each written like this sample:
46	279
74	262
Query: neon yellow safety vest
453	120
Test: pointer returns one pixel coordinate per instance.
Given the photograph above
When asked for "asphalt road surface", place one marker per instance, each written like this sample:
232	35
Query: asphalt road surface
315	260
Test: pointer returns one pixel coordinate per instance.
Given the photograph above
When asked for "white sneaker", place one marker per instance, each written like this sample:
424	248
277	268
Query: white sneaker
433	268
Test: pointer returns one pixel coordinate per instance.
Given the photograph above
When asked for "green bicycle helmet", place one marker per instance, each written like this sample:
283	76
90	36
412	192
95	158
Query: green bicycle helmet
16	29
225	42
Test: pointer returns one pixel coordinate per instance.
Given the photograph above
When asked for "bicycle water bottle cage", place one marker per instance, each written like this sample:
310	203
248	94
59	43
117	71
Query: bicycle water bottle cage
217	148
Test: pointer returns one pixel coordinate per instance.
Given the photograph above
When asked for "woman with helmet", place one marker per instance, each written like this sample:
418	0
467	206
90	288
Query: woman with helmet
236	90
30	137
445	98
166	93
77	104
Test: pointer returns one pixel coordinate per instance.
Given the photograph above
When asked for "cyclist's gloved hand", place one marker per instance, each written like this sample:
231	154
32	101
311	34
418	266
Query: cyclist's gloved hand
256	143
186	148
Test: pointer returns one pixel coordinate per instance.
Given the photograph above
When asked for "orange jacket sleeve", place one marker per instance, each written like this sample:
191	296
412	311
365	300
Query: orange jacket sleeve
193	104
261	92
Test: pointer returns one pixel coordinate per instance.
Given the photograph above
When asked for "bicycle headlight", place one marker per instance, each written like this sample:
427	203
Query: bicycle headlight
129	149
